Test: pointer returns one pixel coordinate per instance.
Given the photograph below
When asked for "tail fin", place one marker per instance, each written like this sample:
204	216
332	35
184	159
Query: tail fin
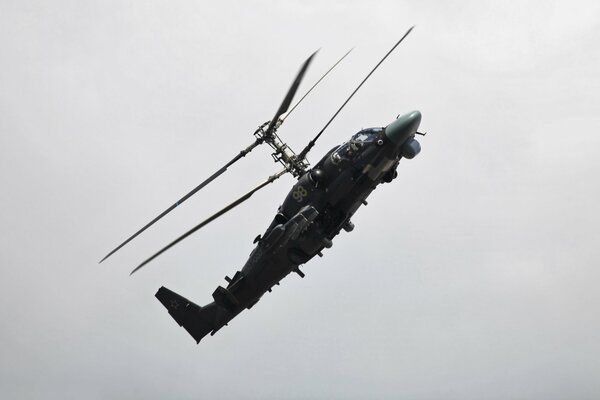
198	321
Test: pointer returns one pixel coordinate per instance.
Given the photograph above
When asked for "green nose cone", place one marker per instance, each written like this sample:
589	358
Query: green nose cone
403	127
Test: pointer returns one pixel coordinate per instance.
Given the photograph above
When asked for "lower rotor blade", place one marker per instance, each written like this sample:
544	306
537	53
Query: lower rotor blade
212	218
187	196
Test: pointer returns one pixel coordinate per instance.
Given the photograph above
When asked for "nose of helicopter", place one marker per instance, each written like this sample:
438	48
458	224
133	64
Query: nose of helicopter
403	127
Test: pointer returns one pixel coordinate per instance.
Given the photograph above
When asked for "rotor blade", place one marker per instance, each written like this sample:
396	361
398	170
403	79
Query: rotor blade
312	142
290	95
212	218
316	83
187	196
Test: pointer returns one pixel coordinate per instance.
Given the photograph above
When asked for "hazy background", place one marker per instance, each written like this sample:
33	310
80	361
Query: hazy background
474	275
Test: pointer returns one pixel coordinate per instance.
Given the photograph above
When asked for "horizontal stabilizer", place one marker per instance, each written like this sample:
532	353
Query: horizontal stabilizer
198	321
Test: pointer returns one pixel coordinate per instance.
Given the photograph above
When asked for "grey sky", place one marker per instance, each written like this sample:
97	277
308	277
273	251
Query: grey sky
474	275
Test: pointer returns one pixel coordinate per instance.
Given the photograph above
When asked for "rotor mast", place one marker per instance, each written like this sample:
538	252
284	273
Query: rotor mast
283	153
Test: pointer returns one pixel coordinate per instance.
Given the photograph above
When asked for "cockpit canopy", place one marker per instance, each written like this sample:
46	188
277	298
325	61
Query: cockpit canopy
350	149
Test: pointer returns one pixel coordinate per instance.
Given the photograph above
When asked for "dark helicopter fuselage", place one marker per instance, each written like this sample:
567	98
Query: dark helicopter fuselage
315	210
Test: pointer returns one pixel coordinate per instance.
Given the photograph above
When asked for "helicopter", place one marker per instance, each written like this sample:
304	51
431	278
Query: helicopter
316	209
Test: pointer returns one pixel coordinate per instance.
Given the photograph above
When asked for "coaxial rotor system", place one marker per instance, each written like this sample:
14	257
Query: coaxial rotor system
294	163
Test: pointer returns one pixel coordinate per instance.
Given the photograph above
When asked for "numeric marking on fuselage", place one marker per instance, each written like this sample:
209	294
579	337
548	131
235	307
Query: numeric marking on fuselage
299	194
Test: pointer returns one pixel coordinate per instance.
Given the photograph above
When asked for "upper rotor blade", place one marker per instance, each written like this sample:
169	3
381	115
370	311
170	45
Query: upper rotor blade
313	141
212	218
290	95
187	196
316	83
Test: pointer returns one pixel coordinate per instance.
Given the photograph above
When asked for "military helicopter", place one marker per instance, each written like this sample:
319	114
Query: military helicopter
317	208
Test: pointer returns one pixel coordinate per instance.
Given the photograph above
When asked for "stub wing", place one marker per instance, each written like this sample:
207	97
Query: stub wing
198	321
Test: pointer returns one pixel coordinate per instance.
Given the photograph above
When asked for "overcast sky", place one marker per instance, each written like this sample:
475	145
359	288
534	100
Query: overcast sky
473	275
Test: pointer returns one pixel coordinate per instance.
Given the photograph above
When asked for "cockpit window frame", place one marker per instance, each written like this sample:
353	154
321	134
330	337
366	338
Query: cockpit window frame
366	135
